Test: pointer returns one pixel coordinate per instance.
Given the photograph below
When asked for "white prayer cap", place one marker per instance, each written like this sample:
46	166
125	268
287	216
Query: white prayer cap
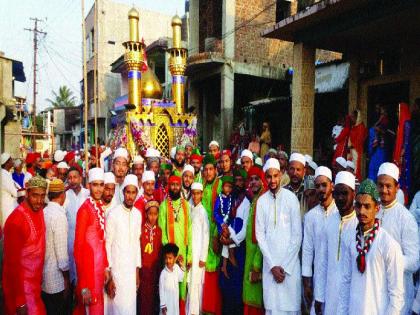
138	159
148	176
214	142
323	171
4	157
308	158
152	152
341	161
238	161
59	155
247	153
298	157
130	179
197	186
312	165
109	178
96	174
271	163
389	169
345	178
350	164
173	153
188	168
121	152
63	165
18	162
258	161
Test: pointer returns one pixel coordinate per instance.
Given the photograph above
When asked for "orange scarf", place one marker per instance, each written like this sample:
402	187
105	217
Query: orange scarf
171	221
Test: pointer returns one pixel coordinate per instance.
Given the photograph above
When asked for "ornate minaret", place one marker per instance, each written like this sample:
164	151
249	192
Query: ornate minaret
177	65
133	59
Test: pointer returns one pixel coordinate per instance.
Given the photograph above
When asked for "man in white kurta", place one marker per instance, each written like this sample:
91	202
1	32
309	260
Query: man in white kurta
372	263
401	225
279	235
200	245
8	188
120	168
337	227
123	229
75	197
314	228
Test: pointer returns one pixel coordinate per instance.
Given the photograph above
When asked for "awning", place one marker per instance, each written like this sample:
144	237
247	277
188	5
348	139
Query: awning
18	72
331	78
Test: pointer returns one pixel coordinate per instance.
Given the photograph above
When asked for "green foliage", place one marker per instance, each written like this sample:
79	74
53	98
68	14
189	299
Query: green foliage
64	98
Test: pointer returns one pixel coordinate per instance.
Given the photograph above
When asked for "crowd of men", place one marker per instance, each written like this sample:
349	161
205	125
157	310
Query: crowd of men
213	234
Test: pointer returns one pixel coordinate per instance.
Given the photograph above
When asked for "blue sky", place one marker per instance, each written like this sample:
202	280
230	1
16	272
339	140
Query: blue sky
60	53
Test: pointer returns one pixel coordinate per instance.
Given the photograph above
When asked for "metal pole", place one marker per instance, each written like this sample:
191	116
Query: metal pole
95	77
85	96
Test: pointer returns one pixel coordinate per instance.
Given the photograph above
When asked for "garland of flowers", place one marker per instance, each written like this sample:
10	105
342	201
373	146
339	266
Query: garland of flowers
364	249
173	216
225	214
100	213
149	246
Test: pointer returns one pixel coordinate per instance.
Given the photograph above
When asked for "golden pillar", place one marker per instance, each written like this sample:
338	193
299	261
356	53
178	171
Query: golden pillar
133	60
177	65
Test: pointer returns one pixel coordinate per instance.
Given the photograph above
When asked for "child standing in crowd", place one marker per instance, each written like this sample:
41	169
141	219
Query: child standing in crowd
151	244
169	280
225	220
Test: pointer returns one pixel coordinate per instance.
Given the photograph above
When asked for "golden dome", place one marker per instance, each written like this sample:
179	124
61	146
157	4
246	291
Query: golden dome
150	85
133	13
176	20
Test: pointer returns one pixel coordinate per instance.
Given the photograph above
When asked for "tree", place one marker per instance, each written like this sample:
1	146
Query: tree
64	98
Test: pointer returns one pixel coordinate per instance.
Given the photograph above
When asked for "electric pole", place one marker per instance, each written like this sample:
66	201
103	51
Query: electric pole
36	31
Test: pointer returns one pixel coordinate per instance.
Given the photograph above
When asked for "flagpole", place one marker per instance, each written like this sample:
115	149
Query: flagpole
95	77
85	92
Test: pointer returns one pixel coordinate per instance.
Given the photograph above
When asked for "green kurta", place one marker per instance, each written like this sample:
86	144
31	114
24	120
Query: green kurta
252	292
179	231
213	259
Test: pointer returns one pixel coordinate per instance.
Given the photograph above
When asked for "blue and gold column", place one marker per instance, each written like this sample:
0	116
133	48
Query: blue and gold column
177	65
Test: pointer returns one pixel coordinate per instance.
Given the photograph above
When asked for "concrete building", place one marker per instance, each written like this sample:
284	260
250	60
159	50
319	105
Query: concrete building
379	40
11	128
232	71
105	39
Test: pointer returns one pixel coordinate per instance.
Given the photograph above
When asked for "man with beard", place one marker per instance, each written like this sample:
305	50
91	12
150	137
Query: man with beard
337	228
123	230
62	169
187	180
175	222
314	227
247	159
89	249
278	230
137	169
401	225
179	160
196	161
212	188
109	191
252	285
75	197
120	169
296	172
24	252
225	162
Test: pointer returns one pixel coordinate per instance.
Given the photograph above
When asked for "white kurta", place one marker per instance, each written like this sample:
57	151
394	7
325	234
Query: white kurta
72	205
402	226
119	195
313	232
379	290
123	229
328	280
279	235
415	207
200	244
8	195
169	289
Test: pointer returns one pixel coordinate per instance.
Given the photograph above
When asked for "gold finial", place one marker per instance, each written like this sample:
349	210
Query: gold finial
150	86
133	17
176	31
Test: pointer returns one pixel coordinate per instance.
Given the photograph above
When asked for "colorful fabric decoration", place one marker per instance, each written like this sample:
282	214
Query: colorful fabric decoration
363	244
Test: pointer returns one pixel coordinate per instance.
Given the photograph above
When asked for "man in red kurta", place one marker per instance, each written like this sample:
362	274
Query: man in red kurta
89	249
148	182
24	251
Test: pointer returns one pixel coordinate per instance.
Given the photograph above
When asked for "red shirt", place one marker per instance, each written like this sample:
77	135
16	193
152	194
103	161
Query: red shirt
24	252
